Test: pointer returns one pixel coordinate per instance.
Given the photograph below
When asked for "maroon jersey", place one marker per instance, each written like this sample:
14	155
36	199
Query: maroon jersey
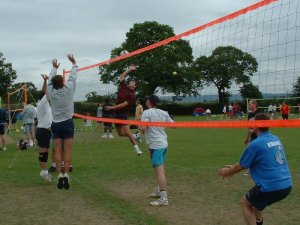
125	94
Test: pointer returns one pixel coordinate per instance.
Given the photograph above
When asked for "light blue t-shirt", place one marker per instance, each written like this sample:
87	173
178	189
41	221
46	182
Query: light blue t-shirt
266	160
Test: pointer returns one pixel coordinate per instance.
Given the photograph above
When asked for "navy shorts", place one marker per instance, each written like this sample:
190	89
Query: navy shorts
1	129
121	116
261	200
43	137
63	130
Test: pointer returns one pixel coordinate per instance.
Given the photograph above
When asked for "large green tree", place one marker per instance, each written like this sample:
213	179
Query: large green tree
249	90
225	66
7	76
296	88
155	67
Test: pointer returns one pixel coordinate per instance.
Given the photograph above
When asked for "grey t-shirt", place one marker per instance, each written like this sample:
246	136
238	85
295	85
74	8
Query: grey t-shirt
61	100
29	113
156	137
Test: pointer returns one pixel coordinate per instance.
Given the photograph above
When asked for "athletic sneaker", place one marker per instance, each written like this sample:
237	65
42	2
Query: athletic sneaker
137	137
156	193
66	182
104	136
110	136
160	202
52	169
137	150
45	176
4	149
60	181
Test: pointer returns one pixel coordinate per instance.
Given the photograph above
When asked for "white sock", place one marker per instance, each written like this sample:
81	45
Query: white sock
135	146
163	194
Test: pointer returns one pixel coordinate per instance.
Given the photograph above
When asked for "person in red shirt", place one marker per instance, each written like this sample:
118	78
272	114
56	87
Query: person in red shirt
125	98
285	111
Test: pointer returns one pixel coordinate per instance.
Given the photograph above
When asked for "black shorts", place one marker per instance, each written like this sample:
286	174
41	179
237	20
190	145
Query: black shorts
1	129
43	137
121	116
63	130
261	200
285	116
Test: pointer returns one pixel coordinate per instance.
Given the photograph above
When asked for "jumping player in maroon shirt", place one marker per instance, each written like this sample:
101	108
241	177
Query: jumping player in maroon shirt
125	98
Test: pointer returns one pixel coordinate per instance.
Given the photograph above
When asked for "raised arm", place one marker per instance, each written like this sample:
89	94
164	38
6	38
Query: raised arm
44	88
126	72
53	72
73	75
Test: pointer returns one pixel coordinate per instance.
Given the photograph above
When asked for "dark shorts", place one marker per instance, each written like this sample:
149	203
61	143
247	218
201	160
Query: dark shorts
43	137
63	130
261	200
121	116
2	129
285	116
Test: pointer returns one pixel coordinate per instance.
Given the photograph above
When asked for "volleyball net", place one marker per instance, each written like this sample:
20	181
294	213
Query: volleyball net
268	31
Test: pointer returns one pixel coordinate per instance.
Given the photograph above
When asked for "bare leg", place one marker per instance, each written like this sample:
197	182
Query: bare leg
125	131
248	212
160	174
68	143
58	154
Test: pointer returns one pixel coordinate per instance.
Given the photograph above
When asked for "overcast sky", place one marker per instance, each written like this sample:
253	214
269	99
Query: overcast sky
35	31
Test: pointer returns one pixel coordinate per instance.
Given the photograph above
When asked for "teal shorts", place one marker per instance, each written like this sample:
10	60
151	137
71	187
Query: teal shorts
158	156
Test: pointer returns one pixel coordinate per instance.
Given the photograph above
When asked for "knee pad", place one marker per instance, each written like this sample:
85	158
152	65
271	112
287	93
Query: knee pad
43	156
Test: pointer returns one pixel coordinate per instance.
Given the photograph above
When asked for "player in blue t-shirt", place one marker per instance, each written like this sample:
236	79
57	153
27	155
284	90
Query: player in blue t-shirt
265	158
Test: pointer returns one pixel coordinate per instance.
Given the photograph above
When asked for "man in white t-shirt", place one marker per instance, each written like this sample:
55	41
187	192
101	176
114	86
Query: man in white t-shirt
43	131
29	113
156	139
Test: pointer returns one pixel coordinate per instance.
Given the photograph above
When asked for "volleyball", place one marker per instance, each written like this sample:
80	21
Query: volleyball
174	73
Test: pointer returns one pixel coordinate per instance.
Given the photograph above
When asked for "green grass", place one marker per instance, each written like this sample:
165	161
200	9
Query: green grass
112	179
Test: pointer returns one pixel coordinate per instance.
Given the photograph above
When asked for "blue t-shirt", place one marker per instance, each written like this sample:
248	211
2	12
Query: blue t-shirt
265	158
2	116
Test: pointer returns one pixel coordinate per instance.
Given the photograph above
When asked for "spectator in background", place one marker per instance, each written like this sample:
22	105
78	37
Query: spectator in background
285	111
99	115
107	125
2	127
208	113
270	111
225	111
29	113
138	110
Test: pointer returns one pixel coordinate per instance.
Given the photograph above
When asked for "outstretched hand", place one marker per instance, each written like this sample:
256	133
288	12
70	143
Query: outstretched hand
45	77
71	58
225	172
55	63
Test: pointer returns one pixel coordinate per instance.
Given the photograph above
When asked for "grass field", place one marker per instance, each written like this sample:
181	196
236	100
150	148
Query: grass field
110	184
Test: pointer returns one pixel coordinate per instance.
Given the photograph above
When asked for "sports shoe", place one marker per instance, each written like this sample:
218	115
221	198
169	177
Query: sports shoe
104	136
156	193
60	181
160	202
45	176
31	143
66	183
110	136
137	137
52	169
4	149
137	150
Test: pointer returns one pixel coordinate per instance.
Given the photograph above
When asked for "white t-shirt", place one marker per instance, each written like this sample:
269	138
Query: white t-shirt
44	113
156	137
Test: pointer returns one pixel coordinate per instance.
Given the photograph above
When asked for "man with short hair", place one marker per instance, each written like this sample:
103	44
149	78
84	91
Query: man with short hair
156	139
125	98
2	127
253	110
265	158
61	97
29	113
